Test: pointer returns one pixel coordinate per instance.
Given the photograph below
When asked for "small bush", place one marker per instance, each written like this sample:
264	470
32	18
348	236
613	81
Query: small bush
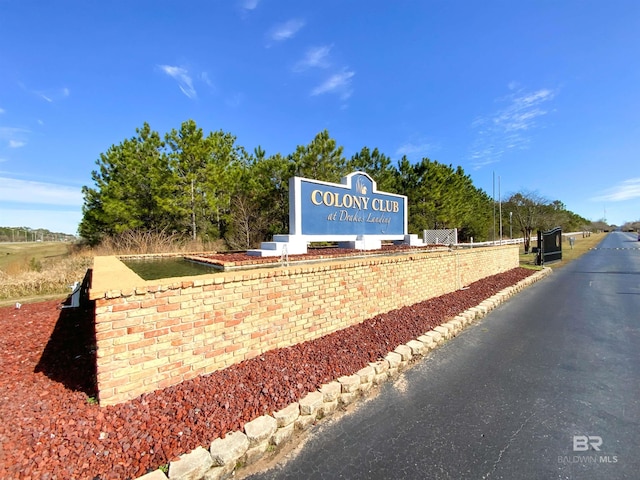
141	242
35	265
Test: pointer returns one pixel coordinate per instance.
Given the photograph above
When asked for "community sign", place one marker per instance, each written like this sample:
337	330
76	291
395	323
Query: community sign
347	210
353	213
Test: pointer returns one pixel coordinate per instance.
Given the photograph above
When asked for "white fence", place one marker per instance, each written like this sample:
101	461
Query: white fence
510	241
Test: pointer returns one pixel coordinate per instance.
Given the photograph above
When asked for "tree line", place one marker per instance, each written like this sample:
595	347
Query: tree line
207	187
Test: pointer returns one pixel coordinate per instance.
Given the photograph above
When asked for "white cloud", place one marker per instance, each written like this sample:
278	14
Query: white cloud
204	77
15	137
508	128
413	150
483	162
250	4
235	100
32	192
52	96
10	132
180	75
286	30
513	85
626	190
522	111
315	57
2	110
339	83
519	114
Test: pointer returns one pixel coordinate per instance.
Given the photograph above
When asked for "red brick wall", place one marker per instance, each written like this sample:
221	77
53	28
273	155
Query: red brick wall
153	336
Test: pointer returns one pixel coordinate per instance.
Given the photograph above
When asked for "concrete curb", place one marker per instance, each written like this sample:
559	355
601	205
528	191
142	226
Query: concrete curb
269	432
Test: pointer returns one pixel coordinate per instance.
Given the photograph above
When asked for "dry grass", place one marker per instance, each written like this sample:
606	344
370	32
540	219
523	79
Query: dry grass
16	257
46	277
33	271
36	269
136	242
581	246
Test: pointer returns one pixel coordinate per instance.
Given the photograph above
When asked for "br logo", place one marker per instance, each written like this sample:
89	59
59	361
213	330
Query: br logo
582	443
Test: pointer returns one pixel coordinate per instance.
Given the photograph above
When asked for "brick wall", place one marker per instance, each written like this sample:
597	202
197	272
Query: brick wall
151	335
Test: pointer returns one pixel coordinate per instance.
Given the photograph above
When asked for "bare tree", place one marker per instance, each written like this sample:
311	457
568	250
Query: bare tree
529	209
247	225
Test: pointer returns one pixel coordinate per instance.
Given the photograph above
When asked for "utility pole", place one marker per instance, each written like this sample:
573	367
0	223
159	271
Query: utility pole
494	207
511	225
500	208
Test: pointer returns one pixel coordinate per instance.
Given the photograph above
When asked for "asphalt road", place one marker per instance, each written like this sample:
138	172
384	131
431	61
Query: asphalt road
522	394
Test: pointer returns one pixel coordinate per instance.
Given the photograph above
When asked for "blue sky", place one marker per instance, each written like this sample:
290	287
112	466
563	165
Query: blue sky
545	95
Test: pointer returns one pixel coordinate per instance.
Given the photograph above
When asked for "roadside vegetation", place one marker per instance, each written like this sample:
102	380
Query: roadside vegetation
187	191
581	246
632	226
35	270
208	188
32	271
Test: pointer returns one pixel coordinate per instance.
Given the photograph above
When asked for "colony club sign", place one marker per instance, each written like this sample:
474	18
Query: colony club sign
346	200
352	213
353	208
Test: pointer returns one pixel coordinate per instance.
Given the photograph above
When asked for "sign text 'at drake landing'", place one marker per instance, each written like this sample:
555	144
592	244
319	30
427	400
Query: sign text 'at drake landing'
354	207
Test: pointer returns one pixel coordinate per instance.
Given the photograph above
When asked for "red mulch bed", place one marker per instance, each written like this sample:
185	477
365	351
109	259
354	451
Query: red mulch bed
317	253
49	429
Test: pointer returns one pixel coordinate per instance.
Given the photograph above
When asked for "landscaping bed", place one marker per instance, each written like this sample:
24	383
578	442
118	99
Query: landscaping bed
228	260
52	428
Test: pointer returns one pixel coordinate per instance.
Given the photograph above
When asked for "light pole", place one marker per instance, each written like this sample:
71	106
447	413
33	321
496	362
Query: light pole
500	208
510	226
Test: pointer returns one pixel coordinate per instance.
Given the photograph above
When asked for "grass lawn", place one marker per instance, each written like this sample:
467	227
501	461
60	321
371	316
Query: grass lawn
17	256
35	271
581	246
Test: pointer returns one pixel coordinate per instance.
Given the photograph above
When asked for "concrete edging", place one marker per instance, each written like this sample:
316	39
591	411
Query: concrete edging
270	432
